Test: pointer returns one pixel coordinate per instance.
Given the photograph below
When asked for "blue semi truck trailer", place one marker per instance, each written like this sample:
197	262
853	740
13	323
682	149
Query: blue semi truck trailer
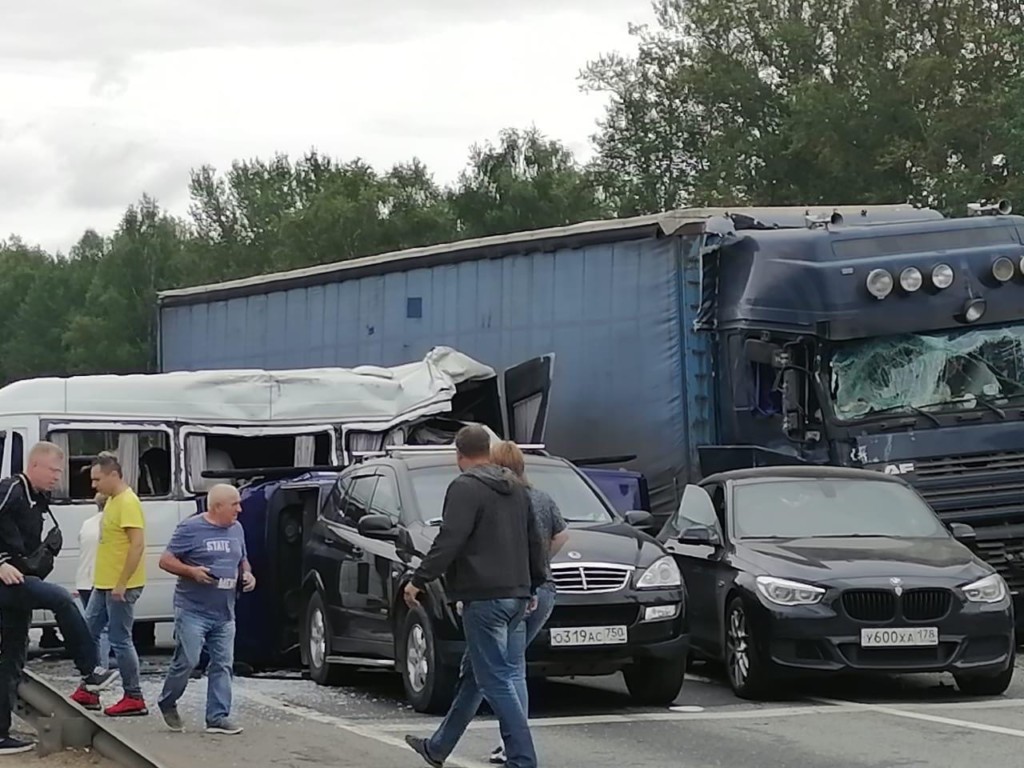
885	337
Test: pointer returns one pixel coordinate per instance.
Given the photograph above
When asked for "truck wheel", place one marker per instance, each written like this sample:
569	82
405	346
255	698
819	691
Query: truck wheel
655	683
317	636
429	684
749	675
987	685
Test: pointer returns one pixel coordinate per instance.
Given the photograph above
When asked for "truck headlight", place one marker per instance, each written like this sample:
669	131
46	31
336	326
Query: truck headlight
879	283
661	574
942	276
911	279
786	592
991	589
1002	269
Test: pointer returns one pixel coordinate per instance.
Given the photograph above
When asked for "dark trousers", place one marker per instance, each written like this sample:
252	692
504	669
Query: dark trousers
16	606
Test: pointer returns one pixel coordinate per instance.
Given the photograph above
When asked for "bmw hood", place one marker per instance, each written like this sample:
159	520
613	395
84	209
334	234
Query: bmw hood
825	560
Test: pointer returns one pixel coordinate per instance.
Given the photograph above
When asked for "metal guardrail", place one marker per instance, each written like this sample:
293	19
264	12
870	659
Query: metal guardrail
62	724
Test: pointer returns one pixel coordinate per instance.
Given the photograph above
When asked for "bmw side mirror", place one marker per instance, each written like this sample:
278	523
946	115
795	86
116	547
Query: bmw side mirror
377	527
640	519
963	532
699	535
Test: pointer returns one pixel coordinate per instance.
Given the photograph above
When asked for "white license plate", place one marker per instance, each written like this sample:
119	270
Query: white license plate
570	636
899	637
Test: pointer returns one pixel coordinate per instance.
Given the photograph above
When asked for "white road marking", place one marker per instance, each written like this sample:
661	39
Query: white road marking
686	709
911	715
639	717
357	729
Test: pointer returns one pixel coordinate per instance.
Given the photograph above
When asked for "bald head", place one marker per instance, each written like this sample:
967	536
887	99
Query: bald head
223	504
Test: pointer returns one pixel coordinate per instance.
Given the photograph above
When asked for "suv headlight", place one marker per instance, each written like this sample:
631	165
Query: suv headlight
785	592
661	574
991	589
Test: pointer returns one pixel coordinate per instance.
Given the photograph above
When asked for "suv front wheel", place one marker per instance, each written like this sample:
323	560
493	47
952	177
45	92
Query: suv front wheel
429	684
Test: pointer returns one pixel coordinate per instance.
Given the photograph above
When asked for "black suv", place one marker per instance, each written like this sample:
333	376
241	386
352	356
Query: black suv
620	604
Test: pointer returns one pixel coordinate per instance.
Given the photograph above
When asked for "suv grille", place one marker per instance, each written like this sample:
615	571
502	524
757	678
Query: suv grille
590	578
879	605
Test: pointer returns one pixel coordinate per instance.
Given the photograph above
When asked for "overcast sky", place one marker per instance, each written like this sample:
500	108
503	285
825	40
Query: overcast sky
103	100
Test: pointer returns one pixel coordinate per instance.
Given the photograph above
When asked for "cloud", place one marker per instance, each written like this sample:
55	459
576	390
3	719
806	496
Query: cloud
118	98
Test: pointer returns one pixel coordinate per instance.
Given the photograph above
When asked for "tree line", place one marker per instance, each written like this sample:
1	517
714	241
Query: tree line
754	102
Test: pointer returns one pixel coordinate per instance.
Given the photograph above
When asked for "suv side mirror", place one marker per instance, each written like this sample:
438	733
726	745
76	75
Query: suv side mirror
700	534
963	532
640	519
377	527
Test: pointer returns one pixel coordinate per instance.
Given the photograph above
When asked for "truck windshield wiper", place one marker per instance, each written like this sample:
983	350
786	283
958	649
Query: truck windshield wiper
991	406
909	408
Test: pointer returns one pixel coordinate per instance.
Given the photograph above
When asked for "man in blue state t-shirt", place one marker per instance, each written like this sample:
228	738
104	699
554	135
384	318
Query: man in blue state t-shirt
207	554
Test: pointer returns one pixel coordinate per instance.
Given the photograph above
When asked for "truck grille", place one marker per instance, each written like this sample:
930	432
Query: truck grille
1007	557
983	482
880	605
987	488
590	578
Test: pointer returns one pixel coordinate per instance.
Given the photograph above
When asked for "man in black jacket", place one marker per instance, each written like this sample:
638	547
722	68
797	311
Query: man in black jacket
23	504
491	556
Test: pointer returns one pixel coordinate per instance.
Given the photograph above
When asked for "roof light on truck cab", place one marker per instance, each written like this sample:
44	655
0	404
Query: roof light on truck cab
1002	269
911	279
942	276
879	283
974	309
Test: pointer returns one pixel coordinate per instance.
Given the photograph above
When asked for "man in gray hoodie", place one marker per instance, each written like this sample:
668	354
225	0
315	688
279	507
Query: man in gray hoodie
490	552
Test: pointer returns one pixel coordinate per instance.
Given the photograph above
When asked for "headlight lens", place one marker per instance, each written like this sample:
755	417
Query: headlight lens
879	283
911	279
785	592
991	589
1002	269
942	276
661	574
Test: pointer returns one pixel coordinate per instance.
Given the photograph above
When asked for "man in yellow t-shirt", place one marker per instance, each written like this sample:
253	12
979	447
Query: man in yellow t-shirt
119	578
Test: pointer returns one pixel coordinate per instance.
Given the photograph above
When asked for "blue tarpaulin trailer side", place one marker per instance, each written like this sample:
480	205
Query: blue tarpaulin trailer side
615	301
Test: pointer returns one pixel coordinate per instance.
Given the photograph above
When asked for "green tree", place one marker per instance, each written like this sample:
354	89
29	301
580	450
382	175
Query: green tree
775	102
525	181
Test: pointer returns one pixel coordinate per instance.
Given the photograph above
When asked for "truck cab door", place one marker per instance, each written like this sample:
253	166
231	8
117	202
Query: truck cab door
527	394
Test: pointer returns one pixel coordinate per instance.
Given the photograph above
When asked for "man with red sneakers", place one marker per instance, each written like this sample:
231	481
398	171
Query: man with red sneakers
118	582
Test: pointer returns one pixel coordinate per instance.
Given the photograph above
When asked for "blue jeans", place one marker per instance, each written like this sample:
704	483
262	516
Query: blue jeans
193	632
104	641
534	624
16	605
495	632
117	617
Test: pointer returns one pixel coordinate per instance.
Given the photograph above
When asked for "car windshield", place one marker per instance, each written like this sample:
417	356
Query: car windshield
576	500
952	370
790	509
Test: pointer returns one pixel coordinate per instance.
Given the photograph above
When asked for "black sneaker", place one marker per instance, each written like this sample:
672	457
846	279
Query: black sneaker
100	680
12	746
173	719
419	746
224	726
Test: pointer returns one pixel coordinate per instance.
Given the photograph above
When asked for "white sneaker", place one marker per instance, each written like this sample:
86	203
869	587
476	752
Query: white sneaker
497	756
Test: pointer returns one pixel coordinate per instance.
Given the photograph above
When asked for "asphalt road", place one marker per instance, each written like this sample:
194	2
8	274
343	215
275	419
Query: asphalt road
862	723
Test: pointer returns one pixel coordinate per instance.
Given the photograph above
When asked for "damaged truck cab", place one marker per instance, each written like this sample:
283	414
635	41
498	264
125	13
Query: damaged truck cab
890	340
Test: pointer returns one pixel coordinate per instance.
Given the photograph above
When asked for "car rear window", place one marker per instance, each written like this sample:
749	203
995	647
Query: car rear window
576	500
830	507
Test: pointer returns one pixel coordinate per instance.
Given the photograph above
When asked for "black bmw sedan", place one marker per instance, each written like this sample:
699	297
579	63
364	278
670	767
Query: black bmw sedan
805	570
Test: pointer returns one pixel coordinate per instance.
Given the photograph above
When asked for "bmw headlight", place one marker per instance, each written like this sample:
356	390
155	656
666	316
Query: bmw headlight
786	592
991	589
661	574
